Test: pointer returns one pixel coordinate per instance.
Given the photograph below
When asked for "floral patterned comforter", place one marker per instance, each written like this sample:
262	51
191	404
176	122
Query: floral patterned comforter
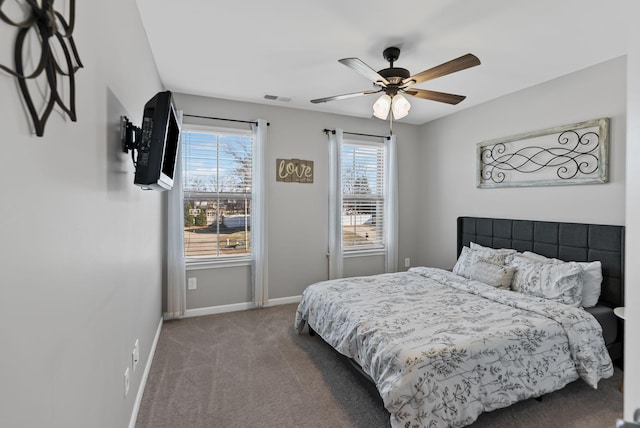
442	349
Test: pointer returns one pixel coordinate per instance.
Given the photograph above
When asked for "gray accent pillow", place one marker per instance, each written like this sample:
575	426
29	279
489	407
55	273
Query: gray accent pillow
473	264
498	256
498	276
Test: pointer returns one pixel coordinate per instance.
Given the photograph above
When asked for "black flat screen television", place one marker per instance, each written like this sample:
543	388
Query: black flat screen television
159	143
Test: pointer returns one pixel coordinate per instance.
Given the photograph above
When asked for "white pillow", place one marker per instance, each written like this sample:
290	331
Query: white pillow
536	257
592	280
591	277
498	276
560	282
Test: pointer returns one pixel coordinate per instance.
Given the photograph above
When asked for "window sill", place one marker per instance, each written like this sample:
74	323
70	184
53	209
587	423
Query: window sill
364	253
218	263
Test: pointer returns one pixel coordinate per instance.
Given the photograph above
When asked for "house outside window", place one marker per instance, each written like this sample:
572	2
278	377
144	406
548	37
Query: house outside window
362	176
217	184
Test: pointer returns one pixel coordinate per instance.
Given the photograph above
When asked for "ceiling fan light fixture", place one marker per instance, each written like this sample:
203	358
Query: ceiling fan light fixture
400	106
382	106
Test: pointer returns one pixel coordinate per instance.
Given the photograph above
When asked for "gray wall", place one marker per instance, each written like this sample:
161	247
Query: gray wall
298	215
80	260
632	226
448	151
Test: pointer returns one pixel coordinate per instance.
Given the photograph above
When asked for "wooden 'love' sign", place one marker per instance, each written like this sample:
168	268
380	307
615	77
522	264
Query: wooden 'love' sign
294	170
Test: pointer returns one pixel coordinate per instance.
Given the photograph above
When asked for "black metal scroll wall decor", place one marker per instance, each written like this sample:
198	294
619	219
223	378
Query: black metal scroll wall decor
58	57
571	154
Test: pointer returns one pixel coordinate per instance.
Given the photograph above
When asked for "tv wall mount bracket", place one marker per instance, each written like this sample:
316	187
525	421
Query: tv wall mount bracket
130	135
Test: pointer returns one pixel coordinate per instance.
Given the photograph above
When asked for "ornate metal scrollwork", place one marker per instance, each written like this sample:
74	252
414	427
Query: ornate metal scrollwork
55	36
576	153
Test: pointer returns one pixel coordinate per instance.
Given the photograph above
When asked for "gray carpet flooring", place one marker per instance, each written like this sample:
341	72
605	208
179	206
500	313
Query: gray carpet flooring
251	369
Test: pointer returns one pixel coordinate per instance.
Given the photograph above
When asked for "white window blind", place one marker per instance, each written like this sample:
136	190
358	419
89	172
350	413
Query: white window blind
362	174
216	168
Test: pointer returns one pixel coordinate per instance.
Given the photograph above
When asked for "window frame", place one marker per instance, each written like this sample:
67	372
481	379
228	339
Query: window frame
378	248
219	261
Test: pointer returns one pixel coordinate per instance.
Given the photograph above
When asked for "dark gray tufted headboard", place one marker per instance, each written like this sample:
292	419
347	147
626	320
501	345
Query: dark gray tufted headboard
566	241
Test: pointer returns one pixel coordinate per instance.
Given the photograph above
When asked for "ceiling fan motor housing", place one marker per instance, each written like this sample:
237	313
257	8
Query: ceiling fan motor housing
394	75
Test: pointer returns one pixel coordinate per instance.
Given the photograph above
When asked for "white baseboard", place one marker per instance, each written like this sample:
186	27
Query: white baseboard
145	375
212	310
283	301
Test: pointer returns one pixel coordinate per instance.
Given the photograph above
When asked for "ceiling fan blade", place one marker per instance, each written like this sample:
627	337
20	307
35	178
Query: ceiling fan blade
458	64
344	96
360	67
435	96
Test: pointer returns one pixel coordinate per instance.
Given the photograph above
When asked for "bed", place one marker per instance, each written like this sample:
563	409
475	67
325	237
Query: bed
443	347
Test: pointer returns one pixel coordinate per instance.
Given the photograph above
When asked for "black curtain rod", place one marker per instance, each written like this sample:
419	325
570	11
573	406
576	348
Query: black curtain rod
221	118
333	131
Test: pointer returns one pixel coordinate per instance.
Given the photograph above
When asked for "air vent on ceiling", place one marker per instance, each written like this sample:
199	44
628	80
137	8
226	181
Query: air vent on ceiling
277	98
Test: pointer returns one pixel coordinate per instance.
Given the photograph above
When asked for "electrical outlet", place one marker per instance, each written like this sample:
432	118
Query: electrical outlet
407	262
193	283
135	355
126	382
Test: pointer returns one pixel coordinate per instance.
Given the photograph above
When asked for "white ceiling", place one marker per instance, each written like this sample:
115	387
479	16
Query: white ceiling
243	49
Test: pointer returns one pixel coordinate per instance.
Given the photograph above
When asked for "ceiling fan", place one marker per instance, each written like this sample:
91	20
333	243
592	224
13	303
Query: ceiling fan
396	81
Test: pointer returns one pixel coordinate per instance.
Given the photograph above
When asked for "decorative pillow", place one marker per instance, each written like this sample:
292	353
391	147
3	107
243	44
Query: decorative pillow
499	256
498	276
560	282
591	277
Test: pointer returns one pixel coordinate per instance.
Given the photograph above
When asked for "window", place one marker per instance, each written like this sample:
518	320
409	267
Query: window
217	183
362	175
